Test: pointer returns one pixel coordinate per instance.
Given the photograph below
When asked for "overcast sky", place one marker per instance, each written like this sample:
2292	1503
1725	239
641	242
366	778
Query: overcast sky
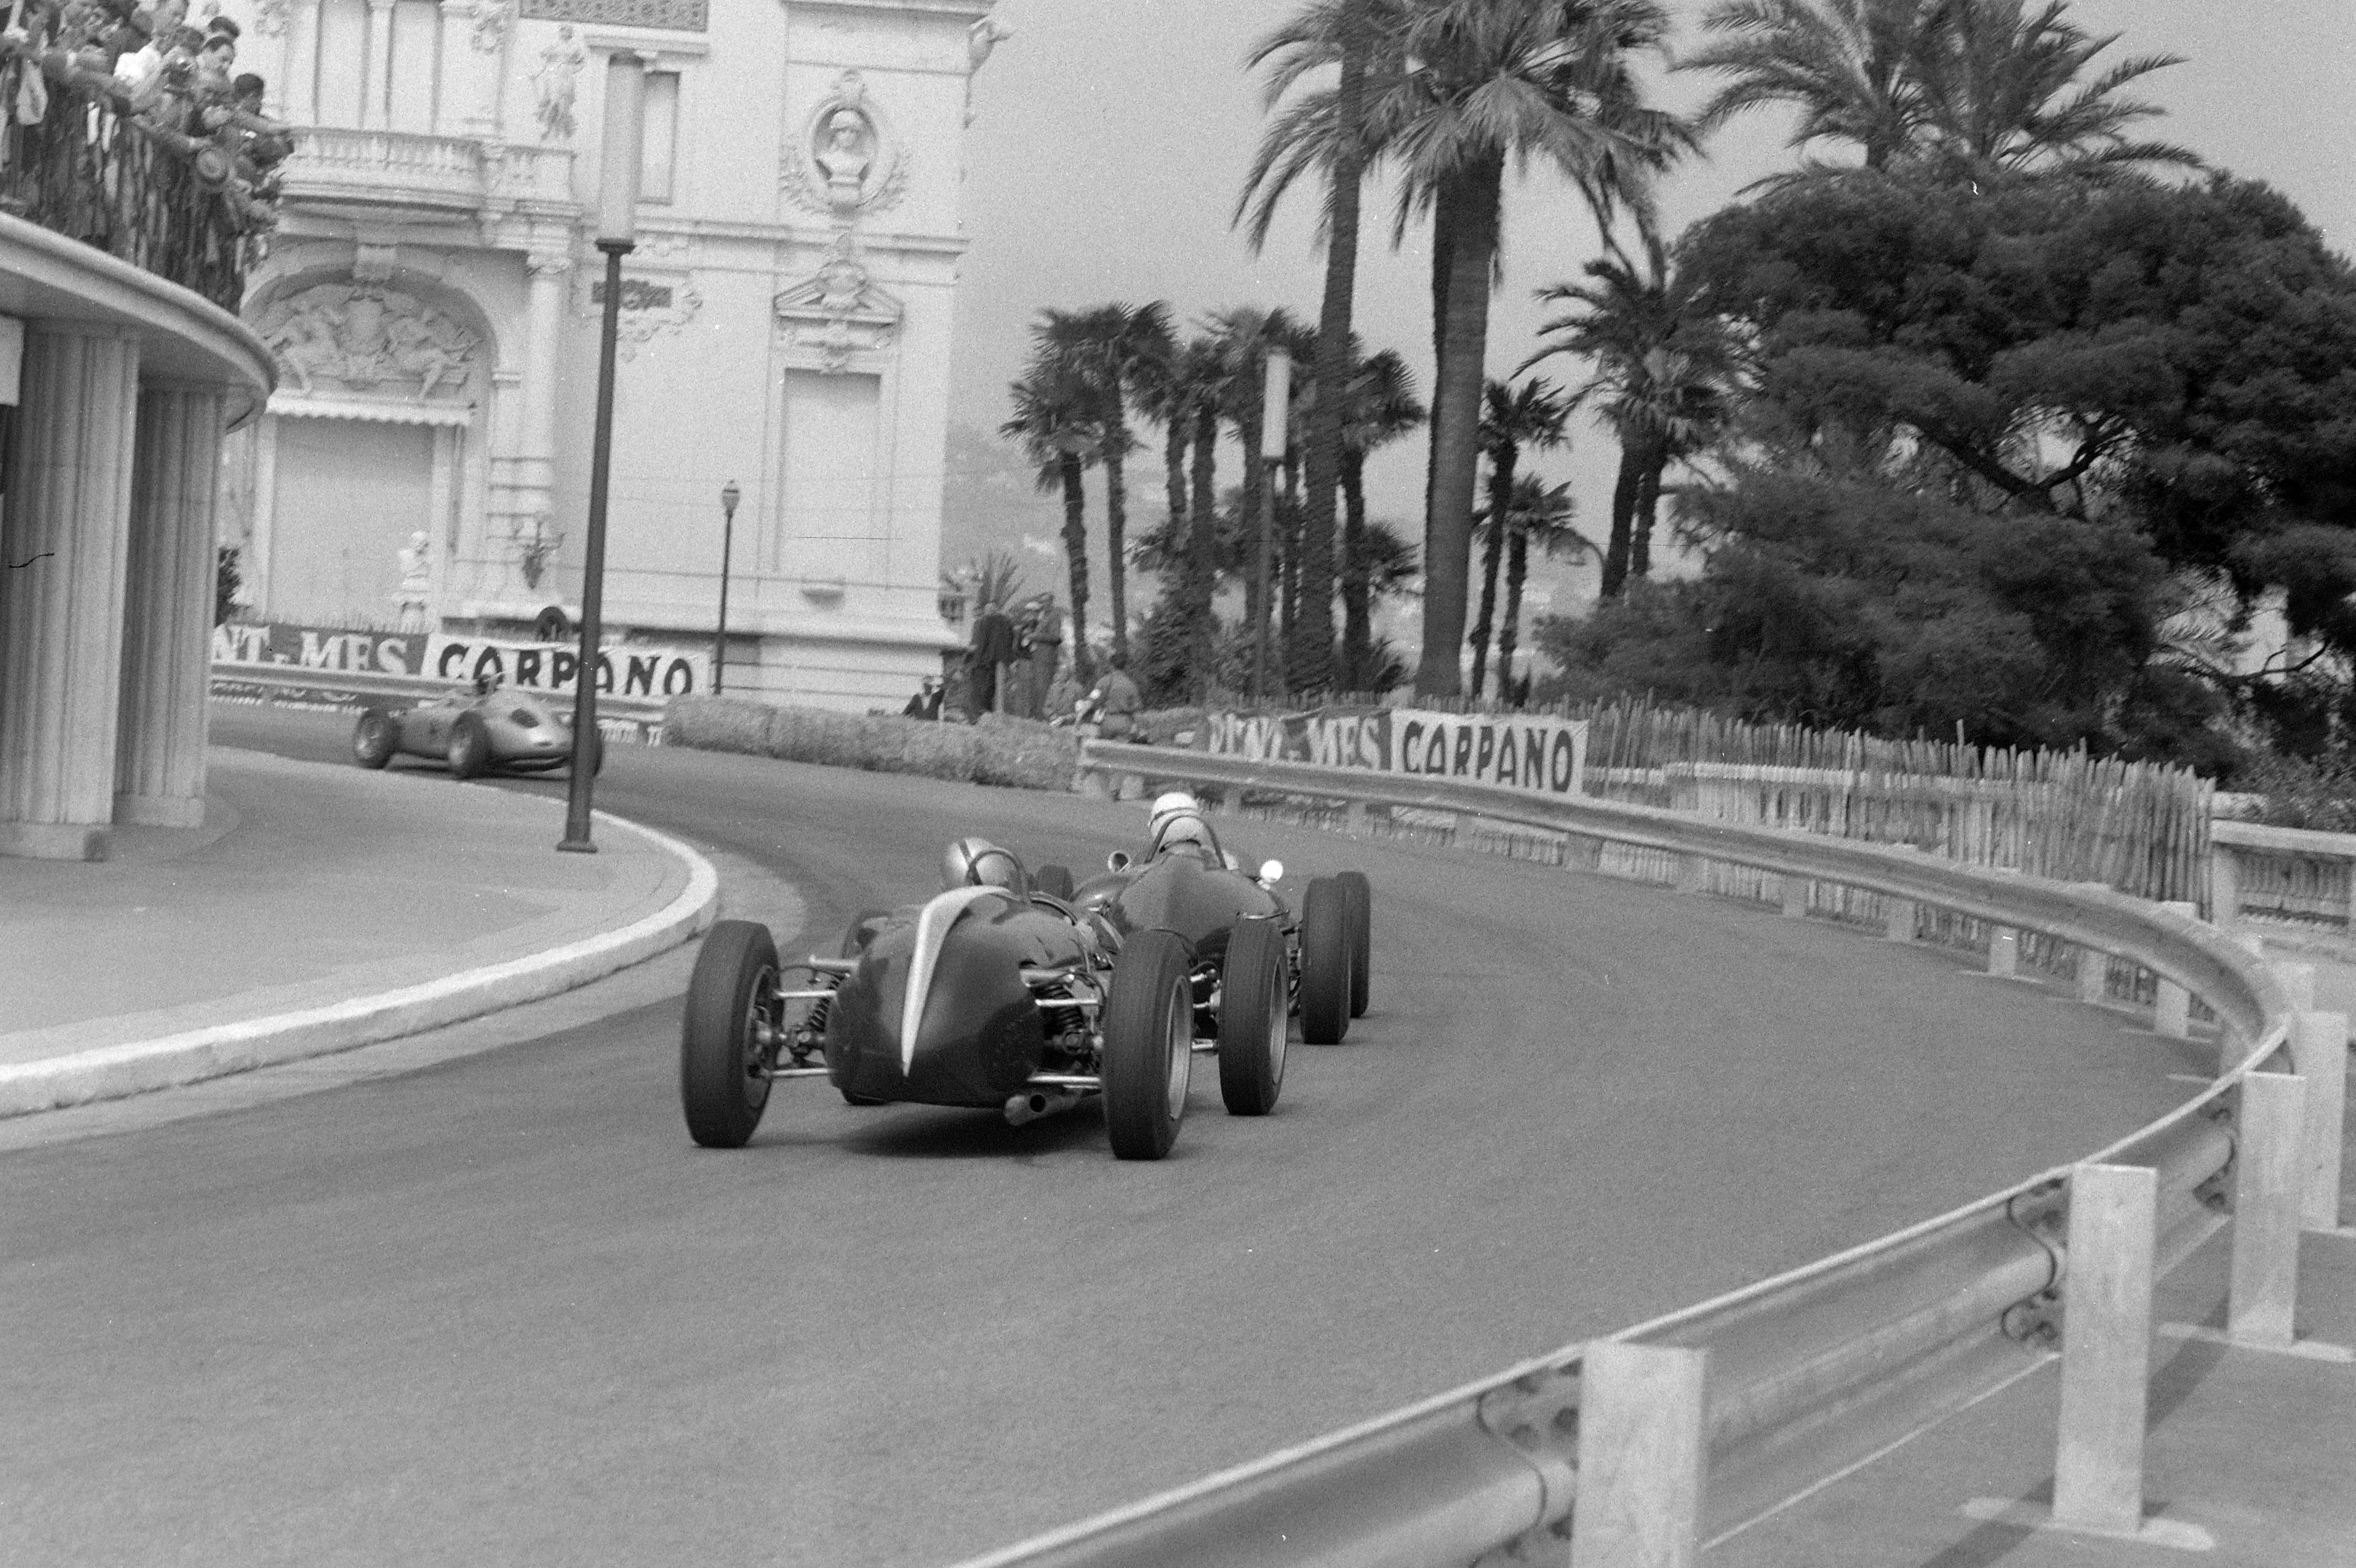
1111	138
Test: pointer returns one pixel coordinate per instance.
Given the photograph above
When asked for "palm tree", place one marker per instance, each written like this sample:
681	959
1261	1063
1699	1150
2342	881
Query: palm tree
1511	419
1058	420
1112	347
1481	83
1666	371
1323	128
1541	514
1380	408
1975	89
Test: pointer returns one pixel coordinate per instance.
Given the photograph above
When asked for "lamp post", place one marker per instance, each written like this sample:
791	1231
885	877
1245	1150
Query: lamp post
1275	428
728	495
617	231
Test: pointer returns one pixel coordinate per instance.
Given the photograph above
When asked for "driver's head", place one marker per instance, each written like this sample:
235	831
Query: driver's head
977	862
1167	808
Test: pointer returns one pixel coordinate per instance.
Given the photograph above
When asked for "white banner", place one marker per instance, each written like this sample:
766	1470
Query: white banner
631	670
1542	755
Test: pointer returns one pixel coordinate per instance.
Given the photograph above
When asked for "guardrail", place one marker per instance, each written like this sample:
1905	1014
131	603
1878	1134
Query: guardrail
638	713
1772	1391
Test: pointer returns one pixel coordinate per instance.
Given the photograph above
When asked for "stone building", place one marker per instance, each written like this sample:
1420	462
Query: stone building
432	299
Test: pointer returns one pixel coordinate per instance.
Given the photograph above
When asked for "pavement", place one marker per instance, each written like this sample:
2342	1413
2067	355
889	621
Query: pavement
321	908
496	1310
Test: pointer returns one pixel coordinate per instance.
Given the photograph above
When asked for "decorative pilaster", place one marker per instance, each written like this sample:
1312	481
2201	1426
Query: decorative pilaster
376	97
65	539
295	83
159	769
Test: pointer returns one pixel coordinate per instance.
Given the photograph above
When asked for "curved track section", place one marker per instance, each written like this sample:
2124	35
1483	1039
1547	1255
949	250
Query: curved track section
503	1310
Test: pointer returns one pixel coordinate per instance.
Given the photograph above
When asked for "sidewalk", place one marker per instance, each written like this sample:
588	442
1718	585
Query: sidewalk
321	908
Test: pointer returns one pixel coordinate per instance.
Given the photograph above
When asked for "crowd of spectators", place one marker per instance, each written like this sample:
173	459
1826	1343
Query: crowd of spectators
176	82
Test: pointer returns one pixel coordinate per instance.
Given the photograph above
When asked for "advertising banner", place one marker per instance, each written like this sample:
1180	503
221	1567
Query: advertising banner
1541	754
321	648
628	669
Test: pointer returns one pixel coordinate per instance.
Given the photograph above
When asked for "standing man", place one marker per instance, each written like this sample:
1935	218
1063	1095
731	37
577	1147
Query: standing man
994	645
1046	653
1117	701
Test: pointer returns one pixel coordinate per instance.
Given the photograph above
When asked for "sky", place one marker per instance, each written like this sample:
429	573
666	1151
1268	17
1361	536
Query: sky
1110	139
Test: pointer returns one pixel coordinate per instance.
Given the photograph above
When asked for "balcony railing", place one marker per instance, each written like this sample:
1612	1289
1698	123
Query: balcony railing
163	201
410	168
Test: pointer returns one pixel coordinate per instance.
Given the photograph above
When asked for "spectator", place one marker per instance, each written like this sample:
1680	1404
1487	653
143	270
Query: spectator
1117	701
994	645
926	702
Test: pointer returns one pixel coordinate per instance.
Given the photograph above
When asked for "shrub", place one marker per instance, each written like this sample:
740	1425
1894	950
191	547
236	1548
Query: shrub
1018	753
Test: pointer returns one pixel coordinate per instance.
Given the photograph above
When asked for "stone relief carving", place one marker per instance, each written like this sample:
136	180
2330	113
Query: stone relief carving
342	338
652	306
559	65
494	20
986	34
270	16
846	162
837	311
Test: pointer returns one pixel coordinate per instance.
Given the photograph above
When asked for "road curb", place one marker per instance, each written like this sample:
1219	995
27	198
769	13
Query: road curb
107	1072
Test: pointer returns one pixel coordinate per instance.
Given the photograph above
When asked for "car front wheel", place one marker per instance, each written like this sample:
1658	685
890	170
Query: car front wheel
375	738
469	751
1148	1046
1252	1019
724	1084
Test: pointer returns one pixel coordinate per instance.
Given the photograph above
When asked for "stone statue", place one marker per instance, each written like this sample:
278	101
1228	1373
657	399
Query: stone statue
985	34
416	588
843	156
560	64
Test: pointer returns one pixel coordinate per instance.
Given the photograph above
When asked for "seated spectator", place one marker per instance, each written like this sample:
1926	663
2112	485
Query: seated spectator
926	702
1117	701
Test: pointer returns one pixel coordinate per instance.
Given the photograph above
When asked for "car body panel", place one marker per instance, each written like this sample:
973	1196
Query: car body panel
1180	890
936	1011
526	730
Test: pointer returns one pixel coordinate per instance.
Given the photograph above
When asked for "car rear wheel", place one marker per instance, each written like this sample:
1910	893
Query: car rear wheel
375	738
1148	1046
469	751
1252	1019
724	1083
1055	881
1361	899
1325	953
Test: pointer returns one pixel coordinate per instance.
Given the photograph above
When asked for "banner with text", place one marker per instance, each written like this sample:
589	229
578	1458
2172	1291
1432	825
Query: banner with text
1540	755
631	670
320	648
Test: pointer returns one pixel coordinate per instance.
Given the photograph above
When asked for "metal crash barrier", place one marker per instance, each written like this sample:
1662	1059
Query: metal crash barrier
1648	1446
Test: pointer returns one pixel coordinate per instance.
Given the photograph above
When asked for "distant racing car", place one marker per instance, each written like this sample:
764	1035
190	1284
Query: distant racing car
996	993
475	730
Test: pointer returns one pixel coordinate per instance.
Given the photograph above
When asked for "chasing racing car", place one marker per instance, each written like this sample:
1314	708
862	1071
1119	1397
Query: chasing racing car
474	730
998	992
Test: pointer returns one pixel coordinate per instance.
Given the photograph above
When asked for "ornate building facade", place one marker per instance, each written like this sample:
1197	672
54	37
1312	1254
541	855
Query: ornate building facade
432	299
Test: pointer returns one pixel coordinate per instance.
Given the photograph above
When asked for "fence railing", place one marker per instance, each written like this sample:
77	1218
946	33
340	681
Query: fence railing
1816	1371
92	173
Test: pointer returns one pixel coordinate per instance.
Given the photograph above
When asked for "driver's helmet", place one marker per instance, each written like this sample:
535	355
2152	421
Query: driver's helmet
1177	819
977	862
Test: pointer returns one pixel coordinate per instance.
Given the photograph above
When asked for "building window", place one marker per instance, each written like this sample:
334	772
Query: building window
660	147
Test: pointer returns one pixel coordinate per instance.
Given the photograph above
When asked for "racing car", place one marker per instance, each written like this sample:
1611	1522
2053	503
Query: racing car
1238	929
474	730
997	993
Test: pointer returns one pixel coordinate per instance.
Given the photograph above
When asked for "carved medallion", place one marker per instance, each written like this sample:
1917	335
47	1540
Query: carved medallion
837	311
847	161
345	337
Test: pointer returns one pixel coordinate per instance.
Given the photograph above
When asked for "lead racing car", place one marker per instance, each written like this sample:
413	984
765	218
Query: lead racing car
999	992
475	730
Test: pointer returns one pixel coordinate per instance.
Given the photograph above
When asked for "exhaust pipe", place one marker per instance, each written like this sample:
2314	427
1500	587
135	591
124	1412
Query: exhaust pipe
1037	1102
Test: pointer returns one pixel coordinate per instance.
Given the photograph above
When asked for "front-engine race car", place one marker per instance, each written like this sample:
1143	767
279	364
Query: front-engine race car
995	993
475	730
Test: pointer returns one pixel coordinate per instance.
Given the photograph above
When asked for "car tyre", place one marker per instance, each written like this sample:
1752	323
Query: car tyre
1325	956
1254	1018
1055	881
375	738
1148	1046
722	1086
1361	899
469	750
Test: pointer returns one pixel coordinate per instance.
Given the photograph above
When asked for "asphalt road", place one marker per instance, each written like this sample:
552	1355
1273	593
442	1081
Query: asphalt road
501	1311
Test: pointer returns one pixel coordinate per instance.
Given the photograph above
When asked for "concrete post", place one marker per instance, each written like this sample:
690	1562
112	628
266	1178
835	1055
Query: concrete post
1692	872
2172	1011
2094	977
2299	980
1353	818
2266	1192
159	766
68	521
2105	1348
2224	888
2004	950
1796	898
2319	1048
1642	1450
1898	920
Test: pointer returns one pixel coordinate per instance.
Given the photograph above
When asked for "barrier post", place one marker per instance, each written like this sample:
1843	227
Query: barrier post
1796	898
2004	950
2224	888
1898	920
2172	1011
1691	872
2094	977
1643	1445
2321	1048
2266	1192
1353	818
2105	1348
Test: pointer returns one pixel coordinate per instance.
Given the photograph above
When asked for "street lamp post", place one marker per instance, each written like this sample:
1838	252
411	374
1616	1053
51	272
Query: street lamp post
617	230
728	495
1275	429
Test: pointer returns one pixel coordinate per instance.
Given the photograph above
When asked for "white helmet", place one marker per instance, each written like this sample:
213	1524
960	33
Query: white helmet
977	862
1176	803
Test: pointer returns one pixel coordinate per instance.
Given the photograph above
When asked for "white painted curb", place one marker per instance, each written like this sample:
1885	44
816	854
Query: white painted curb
108	1072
